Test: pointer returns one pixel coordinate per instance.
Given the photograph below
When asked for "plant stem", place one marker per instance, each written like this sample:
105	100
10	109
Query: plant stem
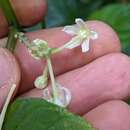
2	115
45	71
11	42
56	50
23	39
9	13
12	21
53	82
71	42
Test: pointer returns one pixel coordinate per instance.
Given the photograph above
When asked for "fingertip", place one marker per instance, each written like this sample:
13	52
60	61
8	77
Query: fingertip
107	41
9	73
29	12
110	116
3	25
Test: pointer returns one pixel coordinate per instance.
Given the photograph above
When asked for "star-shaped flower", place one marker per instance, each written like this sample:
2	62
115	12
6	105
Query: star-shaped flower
82	35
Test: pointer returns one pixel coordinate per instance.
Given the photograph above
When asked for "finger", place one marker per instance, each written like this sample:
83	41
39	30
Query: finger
3	42
95	83
3	25
68	59
9	73
113	115
27	12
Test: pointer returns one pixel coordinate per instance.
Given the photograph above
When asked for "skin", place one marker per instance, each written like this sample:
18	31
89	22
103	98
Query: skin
106	43
27	14
100	80
3	25
101	76
9	73
112	115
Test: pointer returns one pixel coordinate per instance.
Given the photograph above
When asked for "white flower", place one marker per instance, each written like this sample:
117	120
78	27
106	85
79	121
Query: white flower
82	35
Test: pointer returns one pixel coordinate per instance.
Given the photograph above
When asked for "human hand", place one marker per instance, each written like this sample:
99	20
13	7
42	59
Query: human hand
27	15
91	80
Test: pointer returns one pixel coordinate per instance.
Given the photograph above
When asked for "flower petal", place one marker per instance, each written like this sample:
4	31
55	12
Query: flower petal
47	95
94	35
63	98
80	23
39	42
75	41
85	45
72	30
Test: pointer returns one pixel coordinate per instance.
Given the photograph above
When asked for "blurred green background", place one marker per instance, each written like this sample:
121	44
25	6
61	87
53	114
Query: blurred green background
114	12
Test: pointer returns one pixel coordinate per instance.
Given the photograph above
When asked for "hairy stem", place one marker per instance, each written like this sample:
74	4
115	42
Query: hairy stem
11	42
53	82
45	71
12	21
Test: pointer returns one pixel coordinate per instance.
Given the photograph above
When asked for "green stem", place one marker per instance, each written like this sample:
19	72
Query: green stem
9	13
73	41
57	50
53	82
45	71
2	115
23	39
12	21
11	42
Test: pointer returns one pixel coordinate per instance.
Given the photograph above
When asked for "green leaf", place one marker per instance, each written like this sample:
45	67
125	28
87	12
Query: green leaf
128	101
37	114
118	16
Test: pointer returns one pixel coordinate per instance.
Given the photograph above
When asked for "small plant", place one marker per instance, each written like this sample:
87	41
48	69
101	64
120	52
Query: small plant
39	49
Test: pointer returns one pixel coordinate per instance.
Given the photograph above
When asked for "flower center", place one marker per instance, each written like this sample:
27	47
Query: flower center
83	33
